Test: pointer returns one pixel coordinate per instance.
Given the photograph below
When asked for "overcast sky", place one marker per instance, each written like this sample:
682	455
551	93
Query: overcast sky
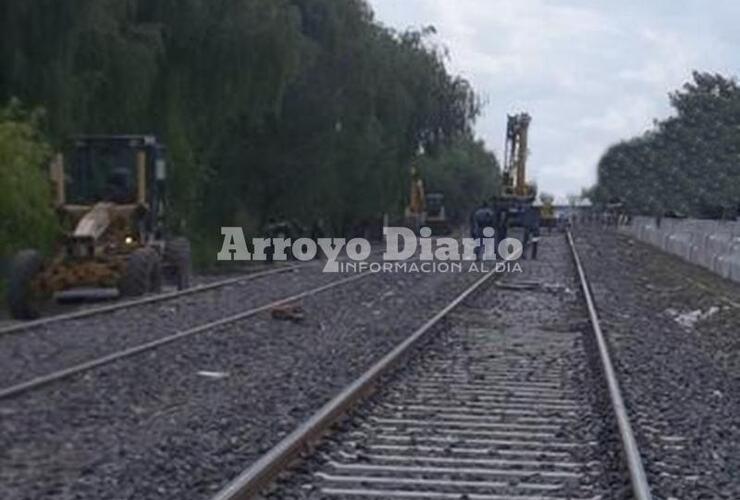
590	72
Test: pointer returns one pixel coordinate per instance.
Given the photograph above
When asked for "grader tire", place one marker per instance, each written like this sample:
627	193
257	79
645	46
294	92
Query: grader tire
23	268
178	256
142	274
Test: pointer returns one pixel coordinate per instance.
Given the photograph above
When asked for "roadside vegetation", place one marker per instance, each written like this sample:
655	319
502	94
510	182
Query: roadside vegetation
687	164
293	109
26	214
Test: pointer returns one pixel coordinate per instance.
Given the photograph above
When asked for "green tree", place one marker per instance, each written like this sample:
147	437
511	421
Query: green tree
302	109
687	163
465	172
26	216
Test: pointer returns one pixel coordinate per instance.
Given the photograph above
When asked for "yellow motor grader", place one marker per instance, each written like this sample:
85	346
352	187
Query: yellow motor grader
109	194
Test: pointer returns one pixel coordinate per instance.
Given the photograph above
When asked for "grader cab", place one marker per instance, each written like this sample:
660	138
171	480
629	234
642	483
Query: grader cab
109	196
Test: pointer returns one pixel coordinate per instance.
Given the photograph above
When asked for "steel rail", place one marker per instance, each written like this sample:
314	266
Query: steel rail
640	486
43	380
263	471
145	300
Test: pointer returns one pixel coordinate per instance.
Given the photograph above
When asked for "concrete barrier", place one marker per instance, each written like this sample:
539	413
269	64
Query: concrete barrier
727	264
712	244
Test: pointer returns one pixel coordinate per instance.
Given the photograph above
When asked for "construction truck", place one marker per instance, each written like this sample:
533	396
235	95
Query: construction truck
109	193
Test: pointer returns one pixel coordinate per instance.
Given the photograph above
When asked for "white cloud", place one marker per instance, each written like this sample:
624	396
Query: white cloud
622	117
590	72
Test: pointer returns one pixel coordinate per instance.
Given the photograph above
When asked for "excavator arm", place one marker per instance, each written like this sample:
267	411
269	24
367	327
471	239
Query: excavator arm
515	156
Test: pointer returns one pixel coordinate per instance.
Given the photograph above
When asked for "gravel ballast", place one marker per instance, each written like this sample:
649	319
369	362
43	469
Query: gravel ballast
43	349
673	331
182	420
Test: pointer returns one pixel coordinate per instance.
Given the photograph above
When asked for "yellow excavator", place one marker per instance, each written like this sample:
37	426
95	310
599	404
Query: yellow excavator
426	209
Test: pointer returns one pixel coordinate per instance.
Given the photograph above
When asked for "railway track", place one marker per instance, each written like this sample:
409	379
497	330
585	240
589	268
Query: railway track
493	408
97	362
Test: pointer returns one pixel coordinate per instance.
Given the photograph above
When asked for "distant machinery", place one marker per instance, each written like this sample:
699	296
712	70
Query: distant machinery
416	209
436	216
513	205
425	209
514	178
547	210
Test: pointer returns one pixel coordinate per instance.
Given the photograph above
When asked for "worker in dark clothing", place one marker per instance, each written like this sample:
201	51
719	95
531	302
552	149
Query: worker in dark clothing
531	223
481	218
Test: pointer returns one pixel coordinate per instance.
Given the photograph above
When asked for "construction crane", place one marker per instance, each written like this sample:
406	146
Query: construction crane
514	178
514	206
516	196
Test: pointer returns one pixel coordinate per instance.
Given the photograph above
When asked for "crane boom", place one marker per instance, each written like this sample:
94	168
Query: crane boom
515	156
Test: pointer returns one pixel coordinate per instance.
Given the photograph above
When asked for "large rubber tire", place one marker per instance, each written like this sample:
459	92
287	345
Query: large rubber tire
177	256
21	300
142	274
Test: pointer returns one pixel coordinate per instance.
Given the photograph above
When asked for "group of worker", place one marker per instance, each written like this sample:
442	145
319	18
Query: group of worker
498	218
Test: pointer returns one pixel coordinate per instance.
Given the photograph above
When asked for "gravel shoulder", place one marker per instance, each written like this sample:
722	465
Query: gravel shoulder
182	420
674	336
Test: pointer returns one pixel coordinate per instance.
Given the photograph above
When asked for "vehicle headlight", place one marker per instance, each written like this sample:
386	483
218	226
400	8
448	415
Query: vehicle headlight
129	240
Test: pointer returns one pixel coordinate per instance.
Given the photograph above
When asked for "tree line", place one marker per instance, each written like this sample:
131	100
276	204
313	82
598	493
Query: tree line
687	164
300	109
